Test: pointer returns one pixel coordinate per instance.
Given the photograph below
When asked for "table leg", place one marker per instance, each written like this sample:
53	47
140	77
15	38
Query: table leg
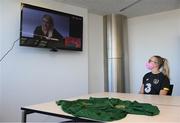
24	115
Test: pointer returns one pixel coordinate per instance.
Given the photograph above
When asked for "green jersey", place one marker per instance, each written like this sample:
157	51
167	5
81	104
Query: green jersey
106	109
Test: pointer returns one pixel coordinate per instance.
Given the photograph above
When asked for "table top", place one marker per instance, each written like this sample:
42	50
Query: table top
168	114
143	98
169	107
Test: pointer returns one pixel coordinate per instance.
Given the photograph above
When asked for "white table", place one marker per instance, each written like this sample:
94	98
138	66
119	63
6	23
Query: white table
169	108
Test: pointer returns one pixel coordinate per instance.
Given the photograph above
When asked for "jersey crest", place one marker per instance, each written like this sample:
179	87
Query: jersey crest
156	81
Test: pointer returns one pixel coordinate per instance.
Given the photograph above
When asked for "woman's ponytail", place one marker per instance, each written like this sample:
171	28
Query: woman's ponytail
165	67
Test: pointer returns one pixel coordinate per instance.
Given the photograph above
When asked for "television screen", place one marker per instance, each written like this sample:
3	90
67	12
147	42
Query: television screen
45	28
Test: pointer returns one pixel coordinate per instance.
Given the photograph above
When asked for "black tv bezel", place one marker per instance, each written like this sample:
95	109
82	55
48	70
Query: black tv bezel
54	12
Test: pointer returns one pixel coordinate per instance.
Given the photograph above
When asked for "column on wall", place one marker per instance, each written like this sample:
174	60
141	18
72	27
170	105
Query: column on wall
116	53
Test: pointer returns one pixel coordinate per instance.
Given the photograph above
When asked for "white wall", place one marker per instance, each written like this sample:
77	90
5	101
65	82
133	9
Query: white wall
0	56
157	34
96	58
35	75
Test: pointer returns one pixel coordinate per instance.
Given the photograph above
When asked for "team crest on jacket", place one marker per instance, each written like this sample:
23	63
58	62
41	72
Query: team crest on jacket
156	81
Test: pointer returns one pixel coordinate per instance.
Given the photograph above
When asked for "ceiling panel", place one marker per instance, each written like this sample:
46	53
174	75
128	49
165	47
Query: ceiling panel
144	7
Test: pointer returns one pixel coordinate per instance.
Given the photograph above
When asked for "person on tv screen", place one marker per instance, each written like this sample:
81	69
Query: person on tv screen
46	32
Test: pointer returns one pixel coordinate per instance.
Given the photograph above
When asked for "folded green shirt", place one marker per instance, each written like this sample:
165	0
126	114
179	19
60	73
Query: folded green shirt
106	109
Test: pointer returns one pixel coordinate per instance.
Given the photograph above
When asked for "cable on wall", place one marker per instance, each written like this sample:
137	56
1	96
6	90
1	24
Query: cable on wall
9	50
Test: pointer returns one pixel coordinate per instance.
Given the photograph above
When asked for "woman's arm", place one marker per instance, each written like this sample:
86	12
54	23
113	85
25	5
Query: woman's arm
142	89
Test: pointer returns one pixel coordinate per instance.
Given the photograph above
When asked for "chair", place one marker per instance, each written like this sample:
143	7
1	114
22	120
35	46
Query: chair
170	90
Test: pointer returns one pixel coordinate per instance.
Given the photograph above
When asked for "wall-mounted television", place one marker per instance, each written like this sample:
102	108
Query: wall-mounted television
46	28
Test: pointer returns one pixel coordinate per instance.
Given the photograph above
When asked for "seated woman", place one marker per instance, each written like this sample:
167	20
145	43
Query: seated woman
46	35
157	81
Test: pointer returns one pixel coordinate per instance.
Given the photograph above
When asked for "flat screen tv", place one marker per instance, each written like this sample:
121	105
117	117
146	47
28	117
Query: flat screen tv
45	28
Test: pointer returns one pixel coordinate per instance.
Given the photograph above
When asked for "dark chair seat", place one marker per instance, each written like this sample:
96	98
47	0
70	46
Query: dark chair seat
170	90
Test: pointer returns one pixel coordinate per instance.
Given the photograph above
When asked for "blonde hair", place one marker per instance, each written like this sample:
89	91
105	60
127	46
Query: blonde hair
49	18
163	65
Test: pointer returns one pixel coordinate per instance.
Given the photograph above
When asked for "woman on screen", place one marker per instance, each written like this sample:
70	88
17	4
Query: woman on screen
156	81
46	30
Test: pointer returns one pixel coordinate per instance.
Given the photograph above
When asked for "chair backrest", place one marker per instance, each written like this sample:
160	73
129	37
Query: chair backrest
170	90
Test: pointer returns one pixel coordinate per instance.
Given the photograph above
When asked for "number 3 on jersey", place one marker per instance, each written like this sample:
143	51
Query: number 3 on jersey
148	88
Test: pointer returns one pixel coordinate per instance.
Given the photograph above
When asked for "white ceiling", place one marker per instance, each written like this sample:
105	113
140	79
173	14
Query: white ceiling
144	7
